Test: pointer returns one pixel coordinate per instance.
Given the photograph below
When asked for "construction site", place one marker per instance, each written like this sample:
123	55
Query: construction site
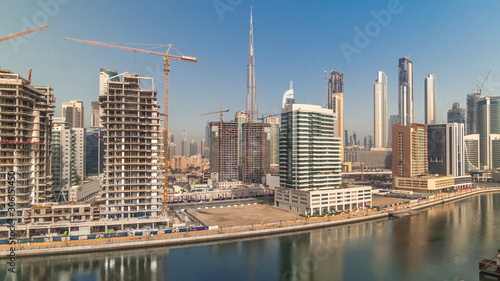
25	130
132	185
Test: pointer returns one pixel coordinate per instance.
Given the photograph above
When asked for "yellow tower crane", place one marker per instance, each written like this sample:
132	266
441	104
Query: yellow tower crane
24	33
219	111
166	70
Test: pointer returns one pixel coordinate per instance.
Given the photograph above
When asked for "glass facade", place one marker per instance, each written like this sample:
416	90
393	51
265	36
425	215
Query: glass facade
309	153
94	151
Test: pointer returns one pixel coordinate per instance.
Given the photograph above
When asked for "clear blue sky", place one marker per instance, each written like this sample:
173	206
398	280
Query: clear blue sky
458	41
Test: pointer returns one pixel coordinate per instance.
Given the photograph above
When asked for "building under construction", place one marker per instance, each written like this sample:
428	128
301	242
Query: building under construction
224	150
256	152
25	131
240	151
133	174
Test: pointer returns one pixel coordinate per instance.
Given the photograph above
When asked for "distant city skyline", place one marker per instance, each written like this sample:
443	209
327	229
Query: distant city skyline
292	42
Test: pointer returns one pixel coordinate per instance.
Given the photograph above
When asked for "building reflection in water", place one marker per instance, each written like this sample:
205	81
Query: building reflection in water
319	254
444	236
109	266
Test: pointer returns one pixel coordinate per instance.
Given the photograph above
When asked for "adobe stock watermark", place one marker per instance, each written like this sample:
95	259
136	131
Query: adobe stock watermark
158	75
223	6
48	9
363	37
11	212
320	254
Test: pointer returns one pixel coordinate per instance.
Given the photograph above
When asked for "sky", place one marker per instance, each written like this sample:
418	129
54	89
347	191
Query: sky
458	41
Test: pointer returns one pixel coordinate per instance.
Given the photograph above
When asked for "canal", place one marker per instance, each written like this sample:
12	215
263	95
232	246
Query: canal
442	243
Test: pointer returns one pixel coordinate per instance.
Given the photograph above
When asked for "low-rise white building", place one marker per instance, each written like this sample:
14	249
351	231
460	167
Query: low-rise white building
432	184
228	184
318	202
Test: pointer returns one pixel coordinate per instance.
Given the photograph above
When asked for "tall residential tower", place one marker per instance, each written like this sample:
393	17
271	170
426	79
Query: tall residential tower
430	99
472	100
446	149
405	91
95	119
488	124
335	102
456	114
309	164
409	150
380	111
73	112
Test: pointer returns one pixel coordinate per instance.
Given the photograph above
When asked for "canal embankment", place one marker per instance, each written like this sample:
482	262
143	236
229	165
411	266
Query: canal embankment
219	234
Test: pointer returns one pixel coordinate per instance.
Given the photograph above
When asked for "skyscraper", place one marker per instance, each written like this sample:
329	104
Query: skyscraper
405	91
472	152
207	134
172	150
80	153
252	107
95	119
430	99
380	110
472	100
393	120
274	135
203	148
446	149
194	148
456	114
315	165
488	123
335	102
240	150
184	144
94	151
288	96
63	146
309	164
256	152
25	136
132	185
409	150
495	151
73	112
224	144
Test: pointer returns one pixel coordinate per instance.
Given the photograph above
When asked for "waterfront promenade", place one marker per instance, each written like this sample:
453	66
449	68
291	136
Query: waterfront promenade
237	232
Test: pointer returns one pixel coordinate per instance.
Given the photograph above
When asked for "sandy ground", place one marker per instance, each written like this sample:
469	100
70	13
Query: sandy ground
260	214
380	201
243	215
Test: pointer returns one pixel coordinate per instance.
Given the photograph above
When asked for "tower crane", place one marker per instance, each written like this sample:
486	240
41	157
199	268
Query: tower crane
24	33
166	71
265	116
479	89
219	111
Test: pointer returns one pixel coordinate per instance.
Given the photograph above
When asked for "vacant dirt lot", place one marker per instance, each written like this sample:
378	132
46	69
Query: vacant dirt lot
242	215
